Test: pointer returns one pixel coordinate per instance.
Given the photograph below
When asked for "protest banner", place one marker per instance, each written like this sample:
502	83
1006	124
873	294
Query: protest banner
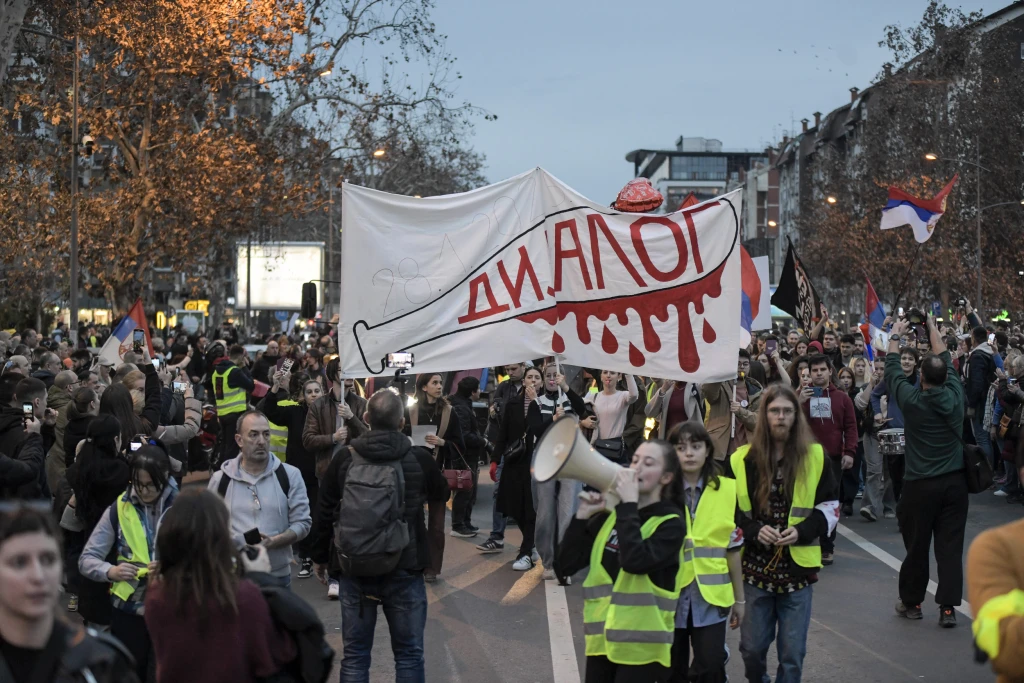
528	267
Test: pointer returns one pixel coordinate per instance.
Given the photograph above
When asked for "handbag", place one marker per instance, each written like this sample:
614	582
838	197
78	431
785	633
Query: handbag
613	449
458	479
977	468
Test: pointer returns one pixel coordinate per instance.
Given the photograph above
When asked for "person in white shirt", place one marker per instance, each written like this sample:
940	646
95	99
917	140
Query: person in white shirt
610	406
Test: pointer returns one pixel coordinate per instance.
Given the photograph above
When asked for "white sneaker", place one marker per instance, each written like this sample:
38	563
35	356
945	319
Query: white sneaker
524	563
549	575
333	589
1001	493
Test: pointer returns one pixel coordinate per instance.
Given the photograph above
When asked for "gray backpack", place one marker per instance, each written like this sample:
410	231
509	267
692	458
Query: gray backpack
371	531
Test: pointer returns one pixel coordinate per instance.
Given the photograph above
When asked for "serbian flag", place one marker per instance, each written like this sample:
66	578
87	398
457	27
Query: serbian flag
874	329
920	214
750	303
120	340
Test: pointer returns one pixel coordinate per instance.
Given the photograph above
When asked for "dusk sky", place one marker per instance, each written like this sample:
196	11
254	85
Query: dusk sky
576	84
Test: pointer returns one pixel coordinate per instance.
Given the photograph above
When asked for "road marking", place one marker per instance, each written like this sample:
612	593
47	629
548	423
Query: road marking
523	585
449	583
870	548
563	651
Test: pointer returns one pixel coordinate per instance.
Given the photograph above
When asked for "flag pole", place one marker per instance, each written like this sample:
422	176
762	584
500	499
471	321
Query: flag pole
896	304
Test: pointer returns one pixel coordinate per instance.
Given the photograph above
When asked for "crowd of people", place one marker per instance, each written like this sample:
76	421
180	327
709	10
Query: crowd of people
727	504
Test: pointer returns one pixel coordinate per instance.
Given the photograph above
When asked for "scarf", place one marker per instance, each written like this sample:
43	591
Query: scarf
550	401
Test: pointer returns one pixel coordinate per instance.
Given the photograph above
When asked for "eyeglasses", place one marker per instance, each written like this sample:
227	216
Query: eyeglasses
139	488
255	498
785	412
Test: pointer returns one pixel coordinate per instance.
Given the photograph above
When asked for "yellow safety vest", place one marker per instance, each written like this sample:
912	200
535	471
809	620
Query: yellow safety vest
279	435
229	400
633	621
704	550
986	622
135	536
803	499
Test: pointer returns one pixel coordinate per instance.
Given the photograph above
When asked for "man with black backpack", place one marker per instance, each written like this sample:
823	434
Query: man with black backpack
371	503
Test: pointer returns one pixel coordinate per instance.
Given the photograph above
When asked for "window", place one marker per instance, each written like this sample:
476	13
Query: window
698	168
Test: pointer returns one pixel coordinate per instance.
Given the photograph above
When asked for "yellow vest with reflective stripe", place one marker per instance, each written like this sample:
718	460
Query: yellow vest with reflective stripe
633	621
279	435
704	549
803	498
135	536
986	622
229	400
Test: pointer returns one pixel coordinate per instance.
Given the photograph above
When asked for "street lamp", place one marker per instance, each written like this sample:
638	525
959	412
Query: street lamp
931	156
772	224
378	153
325	73
831	200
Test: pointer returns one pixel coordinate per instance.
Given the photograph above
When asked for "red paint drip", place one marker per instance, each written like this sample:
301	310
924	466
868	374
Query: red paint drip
557	343
649	306
608	341
709	333
636	357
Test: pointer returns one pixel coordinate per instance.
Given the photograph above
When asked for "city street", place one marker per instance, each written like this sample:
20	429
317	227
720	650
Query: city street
488	623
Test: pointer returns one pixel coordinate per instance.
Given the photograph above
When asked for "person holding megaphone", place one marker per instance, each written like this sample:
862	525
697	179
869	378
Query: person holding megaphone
633	552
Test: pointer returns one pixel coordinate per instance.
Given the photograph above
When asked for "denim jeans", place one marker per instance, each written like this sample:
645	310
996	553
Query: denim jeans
548	509
498	520
792	613
981	435
403	596
279	581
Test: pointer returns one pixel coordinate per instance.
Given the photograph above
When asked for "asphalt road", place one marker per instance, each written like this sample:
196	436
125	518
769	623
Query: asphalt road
489	623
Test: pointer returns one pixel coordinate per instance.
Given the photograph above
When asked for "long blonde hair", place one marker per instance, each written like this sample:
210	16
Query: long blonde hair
795	450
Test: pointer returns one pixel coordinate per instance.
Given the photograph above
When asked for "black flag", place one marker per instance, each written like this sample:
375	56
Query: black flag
795	294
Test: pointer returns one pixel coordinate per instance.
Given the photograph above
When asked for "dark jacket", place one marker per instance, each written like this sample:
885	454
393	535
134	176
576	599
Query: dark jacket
503	393
16	443
808	531
322	422
838	434
423	482
45	376
262	368
74	433
299	620
452	455
476	444
657	557
85	656
981	371
293	418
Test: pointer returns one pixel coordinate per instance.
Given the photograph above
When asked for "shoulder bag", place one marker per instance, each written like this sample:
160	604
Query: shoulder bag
977	468
458	479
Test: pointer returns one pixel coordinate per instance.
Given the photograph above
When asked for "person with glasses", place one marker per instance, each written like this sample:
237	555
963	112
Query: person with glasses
788	500
128	530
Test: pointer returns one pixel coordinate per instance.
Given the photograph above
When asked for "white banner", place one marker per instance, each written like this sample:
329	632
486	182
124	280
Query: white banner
528	267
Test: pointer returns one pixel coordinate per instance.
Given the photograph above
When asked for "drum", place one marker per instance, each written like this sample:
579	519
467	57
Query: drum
891	442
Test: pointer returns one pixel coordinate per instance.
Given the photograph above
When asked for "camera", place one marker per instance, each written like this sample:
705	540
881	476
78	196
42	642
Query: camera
961	303
399	361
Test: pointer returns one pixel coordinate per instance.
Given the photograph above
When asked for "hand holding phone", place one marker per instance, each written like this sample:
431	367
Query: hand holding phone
253	537
138	339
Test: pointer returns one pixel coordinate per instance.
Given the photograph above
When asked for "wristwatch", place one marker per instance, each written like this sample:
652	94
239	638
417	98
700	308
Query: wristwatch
894	338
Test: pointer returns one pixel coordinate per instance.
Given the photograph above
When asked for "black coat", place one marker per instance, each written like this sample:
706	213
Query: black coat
297	618
18	444
75	433
476	444
423	482
294	419
101	655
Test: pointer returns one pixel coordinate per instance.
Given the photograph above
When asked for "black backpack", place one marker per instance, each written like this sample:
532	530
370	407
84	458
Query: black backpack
371	532
282	479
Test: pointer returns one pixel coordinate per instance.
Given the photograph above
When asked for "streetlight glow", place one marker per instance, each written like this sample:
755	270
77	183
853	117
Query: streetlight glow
378	153
930	156
772	224
831	200
325	73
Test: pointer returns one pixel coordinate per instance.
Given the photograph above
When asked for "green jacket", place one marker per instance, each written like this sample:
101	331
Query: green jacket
933	418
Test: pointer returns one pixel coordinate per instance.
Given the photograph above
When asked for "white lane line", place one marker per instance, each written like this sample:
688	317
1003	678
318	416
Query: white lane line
453	581
870	548
523	585
563	651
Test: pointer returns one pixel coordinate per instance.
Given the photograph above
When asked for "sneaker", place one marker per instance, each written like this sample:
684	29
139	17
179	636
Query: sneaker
827	558
868	514
333	589
1002	493
429	577
908	611
524	563
947	617
548	575
860	494
889	514
491	546
474	529
848	510
72	602
462	533
306	570
1015	498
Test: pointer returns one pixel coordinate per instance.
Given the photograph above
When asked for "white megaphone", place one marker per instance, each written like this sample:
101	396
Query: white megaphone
563	453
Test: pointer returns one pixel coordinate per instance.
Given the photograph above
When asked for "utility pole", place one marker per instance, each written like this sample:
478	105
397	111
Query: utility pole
978	165
73	303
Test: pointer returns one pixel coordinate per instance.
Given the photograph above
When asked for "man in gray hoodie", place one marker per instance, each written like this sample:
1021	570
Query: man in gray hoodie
264	494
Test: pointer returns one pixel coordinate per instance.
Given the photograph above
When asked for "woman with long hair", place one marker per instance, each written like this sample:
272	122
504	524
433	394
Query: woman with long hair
515	442
788	500
432	408
633	552
84	406
711	588
610	408
286	405
126	533
117	401
37	646
795	371
197	603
